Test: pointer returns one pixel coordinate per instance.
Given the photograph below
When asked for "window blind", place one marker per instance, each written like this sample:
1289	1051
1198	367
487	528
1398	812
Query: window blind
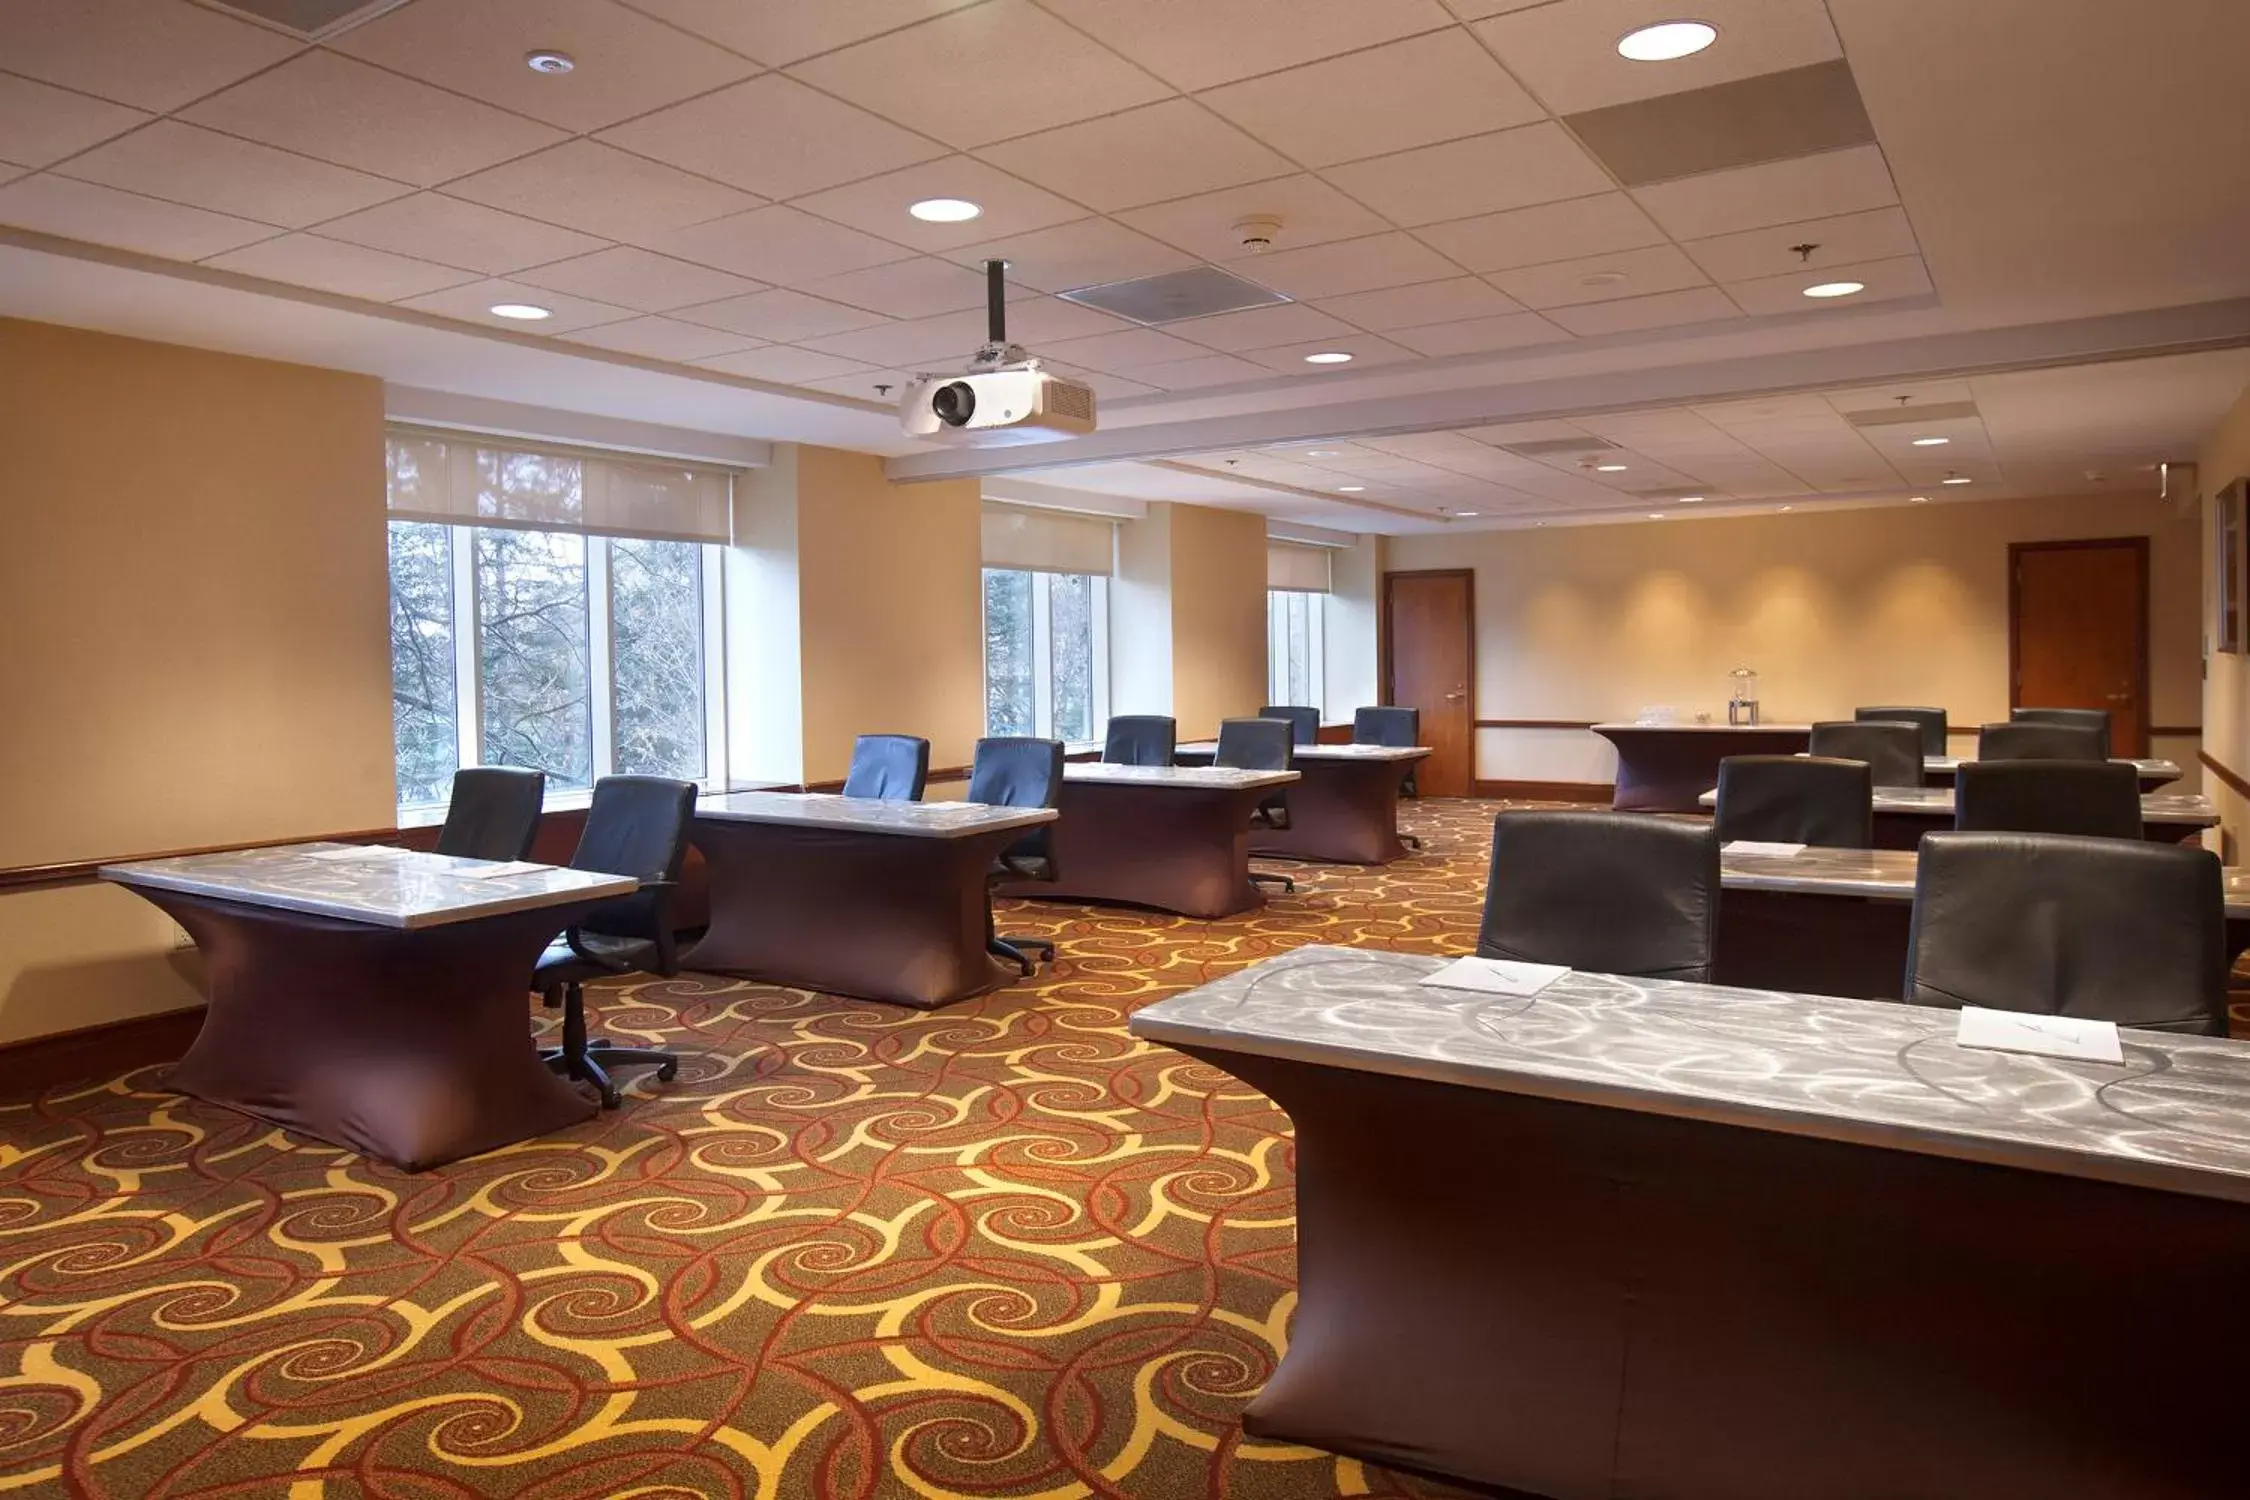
463	479
1297	567
1048	541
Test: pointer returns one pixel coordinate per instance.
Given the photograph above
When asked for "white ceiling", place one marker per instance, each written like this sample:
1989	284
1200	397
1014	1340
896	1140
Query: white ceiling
719	190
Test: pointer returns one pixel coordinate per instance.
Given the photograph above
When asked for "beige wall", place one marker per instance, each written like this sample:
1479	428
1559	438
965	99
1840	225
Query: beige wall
1218	616
1892	605
2226	691
1348	635
195	595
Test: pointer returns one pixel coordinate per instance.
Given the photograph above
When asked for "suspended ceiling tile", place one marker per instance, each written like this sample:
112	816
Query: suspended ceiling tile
1570	230
152	54
1342	267
40	124
599	189
780	316
880	205
1449	301
1126	350
336	266
1782	192
474	302
432	226
777	32
1483	174
1195	374
1566	53
224	174
1703	304
639	279
662	338
778	244
1194	44
106	216
1260	327
922	287
1481	335
1877	234
787	366
775	137
1087	252
1601	278
1904	276
1174	149
1311	213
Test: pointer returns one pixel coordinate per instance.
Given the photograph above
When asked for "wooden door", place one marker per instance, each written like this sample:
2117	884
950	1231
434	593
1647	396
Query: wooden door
1429	663
2078	631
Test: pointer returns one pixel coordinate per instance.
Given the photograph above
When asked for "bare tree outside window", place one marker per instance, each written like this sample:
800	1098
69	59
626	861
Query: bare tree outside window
656	671
423	691
1071	657
531	650
1008	695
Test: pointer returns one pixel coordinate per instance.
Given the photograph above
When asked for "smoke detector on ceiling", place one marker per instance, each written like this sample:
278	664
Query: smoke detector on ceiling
1257	232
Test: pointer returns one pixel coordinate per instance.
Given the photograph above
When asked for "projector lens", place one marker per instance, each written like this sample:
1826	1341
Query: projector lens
954	403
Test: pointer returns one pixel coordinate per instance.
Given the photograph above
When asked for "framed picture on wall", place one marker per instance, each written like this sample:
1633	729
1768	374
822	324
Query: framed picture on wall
2227	550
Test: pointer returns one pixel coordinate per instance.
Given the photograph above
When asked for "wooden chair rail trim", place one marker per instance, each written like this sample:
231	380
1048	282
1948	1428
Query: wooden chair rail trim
78	871
1534	723
2227	774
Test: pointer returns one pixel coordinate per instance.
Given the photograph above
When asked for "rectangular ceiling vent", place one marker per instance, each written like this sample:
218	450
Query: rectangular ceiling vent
1559	447
307	20
1909	414
1772	117
1198	292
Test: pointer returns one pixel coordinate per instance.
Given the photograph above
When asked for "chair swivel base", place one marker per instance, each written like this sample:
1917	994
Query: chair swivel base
1019	951
590	1060
1260	877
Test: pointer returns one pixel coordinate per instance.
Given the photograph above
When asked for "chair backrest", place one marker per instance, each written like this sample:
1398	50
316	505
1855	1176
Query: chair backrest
1796	799
888	767
2090	718
2090	798
2033	739
1304	722
1010	772
1892	748
2104	929
1611	893
1140	740
1255	745
1930	720
1396	727
494	813
637	826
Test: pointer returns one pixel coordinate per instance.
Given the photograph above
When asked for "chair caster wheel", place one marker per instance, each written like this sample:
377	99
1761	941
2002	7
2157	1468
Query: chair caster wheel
667	1072
611	1098
600	1044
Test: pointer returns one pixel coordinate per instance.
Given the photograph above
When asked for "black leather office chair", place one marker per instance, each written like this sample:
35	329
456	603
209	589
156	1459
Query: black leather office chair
2104	929
1304	722
1019	773
1892	748
494	813
2089	718
1610	893
2033	739
1931	721
888	768
1796	799
1399	728
1261	745
1141	740
637	826
2089	798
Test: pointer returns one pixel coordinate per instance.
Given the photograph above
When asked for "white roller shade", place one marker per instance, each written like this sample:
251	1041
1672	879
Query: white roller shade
1294	566
466	480
1048	541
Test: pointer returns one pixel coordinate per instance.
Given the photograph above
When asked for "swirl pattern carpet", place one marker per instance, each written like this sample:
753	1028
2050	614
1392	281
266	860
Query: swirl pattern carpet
853	1251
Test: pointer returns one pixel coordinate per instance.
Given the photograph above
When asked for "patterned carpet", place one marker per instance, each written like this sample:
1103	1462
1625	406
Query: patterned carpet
854	1251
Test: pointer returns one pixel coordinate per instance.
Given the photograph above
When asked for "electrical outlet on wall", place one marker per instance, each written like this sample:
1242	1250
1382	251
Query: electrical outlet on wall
179	935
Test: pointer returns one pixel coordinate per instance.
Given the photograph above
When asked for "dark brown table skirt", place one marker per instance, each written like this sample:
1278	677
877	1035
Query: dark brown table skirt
1580	1302
1175	848
878	916
413	1047
1344	811
1904	830
1666	768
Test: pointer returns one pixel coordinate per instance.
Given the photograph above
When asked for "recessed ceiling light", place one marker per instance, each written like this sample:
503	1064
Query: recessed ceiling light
1957	479
1918	500
1604	278
1931	442
547	61
1609	468
1466	515
1836	289
1350	489
945	210
522	312
1691	499
1329	357
1667	40
1787	508
1656	515
1320	453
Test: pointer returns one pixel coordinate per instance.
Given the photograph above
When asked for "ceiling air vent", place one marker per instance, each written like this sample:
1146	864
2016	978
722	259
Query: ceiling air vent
1197	292
310	20
1914	416
1560	447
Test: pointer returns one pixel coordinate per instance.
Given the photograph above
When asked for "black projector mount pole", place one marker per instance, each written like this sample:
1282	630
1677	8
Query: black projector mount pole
997	351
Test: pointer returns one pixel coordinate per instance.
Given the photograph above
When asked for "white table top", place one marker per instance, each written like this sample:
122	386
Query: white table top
925	820
1798	730
2174	1116
1324	752
1951	765
376	884
2192	809
1206	777
1877	874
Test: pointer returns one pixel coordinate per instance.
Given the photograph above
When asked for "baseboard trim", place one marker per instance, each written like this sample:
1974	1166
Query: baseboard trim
1548	791
103	1051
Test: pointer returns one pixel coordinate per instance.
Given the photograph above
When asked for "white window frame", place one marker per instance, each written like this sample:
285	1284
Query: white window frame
1277	648
1043	651
601	686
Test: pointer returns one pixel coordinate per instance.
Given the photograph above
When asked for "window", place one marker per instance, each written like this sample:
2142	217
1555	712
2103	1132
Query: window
541	641
1046	653
1293	639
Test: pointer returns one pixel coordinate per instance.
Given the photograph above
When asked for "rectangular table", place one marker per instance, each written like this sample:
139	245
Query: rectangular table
1904	813
1345	810
373	998
1650	1238
1941	770
878	900
1661	767
1837	921
1175	838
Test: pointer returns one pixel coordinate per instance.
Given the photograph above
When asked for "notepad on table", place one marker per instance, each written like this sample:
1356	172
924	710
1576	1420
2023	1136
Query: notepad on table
2048	1036
500	870
1755	846
357	852
1495	976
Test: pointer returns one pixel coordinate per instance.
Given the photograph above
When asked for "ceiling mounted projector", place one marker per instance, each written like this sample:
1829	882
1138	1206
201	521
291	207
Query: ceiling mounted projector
1003	397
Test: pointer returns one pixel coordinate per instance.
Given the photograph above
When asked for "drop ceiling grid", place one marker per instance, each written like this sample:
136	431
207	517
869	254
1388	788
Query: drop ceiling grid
686	24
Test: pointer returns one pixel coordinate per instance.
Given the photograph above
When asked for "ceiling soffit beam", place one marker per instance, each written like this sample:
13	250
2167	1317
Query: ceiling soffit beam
1275	486
2120	336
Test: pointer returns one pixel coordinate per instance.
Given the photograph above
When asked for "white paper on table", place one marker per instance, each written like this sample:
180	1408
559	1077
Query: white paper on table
1495	976
1755	846
359	852
501	870
2048	1036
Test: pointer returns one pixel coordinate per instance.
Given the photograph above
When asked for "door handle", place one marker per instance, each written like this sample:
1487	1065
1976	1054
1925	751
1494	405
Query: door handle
1455	697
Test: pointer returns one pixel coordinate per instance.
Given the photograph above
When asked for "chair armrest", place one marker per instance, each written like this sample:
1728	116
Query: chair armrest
661	893
577	942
